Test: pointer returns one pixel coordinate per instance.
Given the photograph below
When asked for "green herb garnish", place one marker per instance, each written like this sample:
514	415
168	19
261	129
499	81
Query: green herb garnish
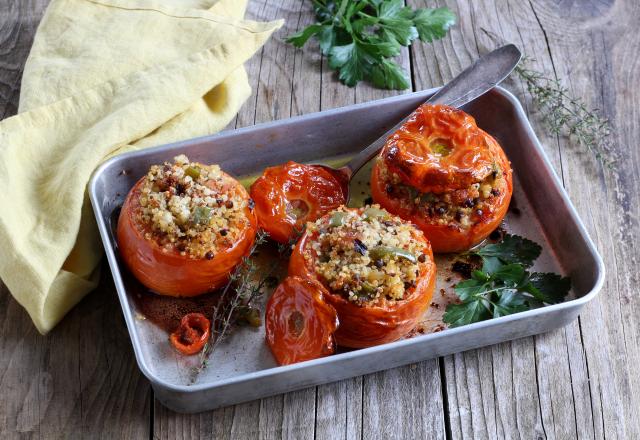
193	172
512	249
380	252
237	300
504	286
441	149
565	114
361	37
201	215
337	219
372	213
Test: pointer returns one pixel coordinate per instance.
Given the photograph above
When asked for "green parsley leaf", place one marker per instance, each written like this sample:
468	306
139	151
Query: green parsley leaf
550	288
353	61
395	10
300	38
397	21
433	24
388	74
469	289
512	249
326	38
361	37
510	275
509	302
466	313
491	264
504	286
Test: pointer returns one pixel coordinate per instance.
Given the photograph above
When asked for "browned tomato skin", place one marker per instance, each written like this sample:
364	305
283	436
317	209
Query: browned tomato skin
410	152
369	325
166	271
299	323
192	334
282	184
471	157
444	238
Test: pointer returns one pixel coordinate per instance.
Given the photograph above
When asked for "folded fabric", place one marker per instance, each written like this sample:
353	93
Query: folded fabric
104	77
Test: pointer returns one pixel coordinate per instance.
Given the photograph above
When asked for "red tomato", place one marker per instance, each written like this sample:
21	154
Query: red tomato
441	151
440	148
166	271
377	323
287	196
192	334
299	323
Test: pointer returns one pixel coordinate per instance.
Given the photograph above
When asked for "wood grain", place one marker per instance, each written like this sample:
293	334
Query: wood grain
81	380
534	397
578	382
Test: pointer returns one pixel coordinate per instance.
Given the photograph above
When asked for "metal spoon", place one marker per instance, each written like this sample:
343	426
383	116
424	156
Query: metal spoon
483	75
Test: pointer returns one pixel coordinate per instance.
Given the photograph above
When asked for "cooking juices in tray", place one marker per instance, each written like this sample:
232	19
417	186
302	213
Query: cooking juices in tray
357	277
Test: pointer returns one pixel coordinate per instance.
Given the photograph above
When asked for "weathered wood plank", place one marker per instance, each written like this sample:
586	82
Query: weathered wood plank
593	57
80	380
577	382
18	23
557	390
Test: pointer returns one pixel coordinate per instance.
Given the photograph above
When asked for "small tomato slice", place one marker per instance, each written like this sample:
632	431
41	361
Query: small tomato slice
192	334
299	324
289	195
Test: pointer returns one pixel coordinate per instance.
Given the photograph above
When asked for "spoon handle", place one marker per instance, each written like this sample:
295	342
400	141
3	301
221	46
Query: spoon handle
480	77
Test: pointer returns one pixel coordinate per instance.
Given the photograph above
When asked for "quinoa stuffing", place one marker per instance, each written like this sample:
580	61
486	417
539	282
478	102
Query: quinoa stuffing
188	207
367	255
462	207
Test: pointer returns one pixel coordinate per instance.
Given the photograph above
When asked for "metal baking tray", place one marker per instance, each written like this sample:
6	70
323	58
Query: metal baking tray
243	369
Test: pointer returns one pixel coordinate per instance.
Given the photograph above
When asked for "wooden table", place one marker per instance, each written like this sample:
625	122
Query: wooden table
579	382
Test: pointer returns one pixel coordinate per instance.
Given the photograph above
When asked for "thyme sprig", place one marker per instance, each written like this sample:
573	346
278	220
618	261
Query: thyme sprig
564	114
246	284
240	292
568	115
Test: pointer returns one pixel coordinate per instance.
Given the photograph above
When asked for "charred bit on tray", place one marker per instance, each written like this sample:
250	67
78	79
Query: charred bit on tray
498	234
462	268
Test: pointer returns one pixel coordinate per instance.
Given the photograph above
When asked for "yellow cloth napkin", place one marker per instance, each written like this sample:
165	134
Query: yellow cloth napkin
103	77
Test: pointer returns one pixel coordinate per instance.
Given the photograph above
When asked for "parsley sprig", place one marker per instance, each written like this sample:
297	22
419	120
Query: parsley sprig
504	285
361	37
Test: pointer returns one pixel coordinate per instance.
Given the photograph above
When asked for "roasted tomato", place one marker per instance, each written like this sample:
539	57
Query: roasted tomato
192	334
287	196
299	323
193	254
378	320
445	175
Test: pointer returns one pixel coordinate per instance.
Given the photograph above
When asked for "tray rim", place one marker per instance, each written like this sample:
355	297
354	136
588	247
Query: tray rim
128	314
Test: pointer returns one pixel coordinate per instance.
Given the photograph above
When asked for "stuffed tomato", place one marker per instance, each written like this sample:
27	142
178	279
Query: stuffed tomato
445	175
376	270
290	195
184	227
